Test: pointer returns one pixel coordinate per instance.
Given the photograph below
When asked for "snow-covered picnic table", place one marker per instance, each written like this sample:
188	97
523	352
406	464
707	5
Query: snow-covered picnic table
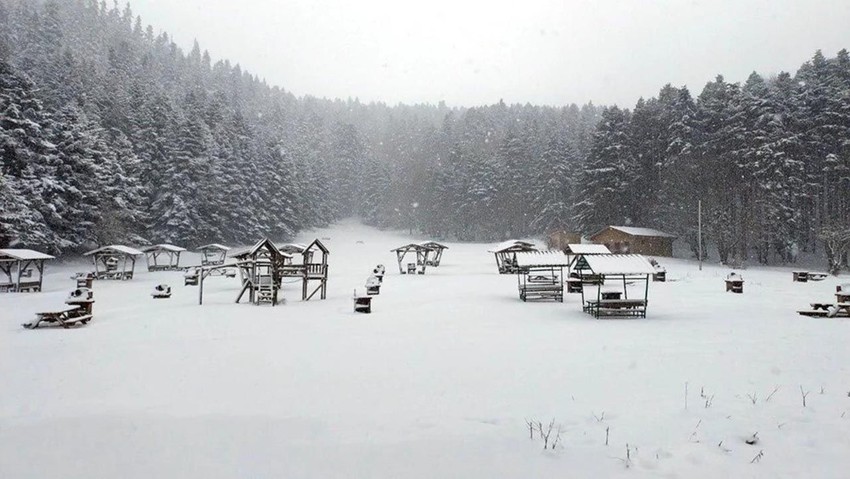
66	317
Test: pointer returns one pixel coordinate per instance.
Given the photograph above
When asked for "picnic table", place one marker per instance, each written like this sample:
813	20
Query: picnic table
616	307
65	317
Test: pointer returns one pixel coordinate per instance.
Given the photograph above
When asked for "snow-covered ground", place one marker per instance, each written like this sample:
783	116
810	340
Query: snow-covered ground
437	383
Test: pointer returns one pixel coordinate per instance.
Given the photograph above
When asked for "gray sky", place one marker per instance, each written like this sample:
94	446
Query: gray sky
476	52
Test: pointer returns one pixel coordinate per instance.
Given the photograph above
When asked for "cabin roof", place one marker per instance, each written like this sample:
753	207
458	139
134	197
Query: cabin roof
635	231
542	258
615	264
115	248
23	254
163	247
588	249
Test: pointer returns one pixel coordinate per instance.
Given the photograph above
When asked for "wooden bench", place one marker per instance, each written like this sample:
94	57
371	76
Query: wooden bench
65	317
616	308
541	292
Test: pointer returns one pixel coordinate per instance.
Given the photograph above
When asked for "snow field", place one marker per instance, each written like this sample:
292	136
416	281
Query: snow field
437	382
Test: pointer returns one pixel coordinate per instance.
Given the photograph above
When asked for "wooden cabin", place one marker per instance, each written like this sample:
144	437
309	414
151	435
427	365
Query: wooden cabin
163	257
506	252
435	255
24	270
116	262
633	240
261	270
560	239
213	254
620	284
415	250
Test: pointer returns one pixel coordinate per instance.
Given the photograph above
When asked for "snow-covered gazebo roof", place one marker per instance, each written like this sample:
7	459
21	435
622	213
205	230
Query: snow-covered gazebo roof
163	247
542	258
513	245
115	249
615	264
23	254
588	249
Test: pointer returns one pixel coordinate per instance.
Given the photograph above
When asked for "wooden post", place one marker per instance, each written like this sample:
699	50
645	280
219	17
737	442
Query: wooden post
201	286
20	272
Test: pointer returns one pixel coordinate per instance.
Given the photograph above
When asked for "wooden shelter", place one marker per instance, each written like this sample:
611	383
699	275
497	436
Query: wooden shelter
435	255
213	254
631	271
24	270
261	270
114	262
506	252
561	239
540	275
419	251
633	240
163	257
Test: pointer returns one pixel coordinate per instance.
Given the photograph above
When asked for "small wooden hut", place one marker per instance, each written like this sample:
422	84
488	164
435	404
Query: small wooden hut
615	276
24	270
420	252
213	254
634	240
163	257
435	255
506	252
114	262
260	268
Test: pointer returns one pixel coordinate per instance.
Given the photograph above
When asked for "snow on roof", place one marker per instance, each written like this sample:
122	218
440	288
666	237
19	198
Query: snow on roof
513	244
588	249
253	249
115	248
213	246
293	247
542	258
433	245
634	231
163	247
410	247
618	264
24	254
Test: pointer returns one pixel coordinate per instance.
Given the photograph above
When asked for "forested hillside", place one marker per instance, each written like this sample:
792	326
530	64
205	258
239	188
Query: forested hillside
109	132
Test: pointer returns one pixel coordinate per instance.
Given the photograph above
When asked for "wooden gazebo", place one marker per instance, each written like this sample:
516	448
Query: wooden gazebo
540	275
614	276
505	253
434	256
213	254
419	251
163	257
24	270
114	262
261	270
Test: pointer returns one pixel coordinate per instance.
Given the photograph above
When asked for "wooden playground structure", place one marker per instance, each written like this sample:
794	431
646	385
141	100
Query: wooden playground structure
263	267
24	270
163	257
116	262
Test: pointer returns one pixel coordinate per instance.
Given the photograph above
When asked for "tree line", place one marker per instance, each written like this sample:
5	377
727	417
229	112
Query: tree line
111	133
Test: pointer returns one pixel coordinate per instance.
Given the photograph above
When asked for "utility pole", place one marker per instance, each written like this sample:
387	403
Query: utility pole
699	231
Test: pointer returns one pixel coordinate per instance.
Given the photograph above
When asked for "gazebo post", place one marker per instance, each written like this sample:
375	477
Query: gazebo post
20	272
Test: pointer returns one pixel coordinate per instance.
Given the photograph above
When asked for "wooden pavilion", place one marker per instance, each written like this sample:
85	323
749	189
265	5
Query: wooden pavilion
213	254
261	270
114	262
20	267
506	254
618	274
419	251
540	275
435	255
163	257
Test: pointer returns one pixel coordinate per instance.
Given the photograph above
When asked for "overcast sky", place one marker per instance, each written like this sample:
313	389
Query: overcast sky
475	52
